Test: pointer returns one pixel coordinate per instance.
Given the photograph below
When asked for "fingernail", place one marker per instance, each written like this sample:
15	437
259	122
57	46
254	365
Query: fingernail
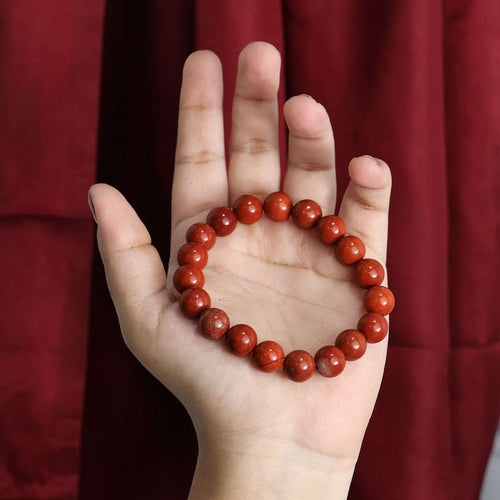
310	97
379	162
91	206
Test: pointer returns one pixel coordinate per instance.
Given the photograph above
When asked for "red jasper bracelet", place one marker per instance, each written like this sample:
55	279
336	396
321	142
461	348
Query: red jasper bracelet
268	355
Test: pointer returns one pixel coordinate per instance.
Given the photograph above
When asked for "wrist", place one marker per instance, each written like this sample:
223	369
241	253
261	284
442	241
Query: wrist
268	468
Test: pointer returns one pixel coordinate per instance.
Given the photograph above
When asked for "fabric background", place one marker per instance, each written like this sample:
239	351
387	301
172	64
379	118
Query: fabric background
89	91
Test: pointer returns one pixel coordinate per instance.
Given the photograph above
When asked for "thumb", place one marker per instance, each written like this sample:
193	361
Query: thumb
134	271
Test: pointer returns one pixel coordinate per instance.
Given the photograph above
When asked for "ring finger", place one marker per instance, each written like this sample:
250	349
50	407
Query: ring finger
311	153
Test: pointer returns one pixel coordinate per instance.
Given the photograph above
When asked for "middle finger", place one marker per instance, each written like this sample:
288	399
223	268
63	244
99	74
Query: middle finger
254	165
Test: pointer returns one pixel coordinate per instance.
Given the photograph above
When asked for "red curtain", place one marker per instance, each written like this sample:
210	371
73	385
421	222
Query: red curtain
88	91
50	65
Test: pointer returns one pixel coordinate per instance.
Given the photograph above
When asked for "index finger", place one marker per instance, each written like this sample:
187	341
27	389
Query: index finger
200	177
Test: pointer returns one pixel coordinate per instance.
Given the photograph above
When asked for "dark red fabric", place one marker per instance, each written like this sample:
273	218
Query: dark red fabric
49	89
415	83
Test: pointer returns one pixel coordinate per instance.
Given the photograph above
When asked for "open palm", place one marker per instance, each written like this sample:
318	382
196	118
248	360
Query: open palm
271	275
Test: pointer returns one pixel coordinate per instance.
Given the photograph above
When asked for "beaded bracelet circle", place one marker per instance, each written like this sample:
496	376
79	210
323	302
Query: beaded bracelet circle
268	355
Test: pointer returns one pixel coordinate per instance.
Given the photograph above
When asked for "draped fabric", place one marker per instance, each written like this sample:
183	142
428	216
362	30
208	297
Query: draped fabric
89	91
50	66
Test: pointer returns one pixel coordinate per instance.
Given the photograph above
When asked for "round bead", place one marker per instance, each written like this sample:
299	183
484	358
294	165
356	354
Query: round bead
330	228
379	299
352	343
223	220
203	234
330	361
241	339
214	323
369	272
349	249
299	365
373	326
248	209
306	213
194	301
278	206
192	254
268	356
188	277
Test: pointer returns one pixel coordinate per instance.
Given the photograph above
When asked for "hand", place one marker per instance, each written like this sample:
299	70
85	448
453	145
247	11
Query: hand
260	435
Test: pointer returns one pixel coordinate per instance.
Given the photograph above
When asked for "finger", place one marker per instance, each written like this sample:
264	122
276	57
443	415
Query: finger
311	153
200	178
134	271
254	165
365	205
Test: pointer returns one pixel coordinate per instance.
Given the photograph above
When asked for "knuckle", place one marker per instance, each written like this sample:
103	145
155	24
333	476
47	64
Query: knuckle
200	157
368	203
252	146
310	165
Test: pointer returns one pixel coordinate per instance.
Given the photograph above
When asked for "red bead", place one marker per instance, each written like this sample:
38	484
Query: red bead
352	343
299	365
241	339
373	326
192	254
306	213
278	206
188	277
248	209
194	301
330	228
330	361
223	220
202	233
349	249
379	299
369	272
214	323
268	355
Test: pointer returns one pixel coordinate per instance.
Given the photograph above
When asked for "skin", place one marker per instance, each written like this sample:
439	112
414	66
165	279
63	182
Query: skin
260	435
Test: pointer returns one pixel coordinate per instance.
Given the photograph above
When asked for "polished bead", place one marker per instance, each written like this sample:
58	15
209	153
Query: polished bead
193	254
194	301
352	343
349	249
299	365
202	233
188	277
379	299
223	220
369	272
241	339
248	209
277	206
373	326
330	361
268	356
306	213
330	228
213	323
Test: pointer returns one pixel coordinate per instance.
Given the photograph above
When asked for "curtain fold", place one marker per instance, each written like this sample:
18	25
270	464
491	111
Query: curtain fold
50	63
472	112
414	83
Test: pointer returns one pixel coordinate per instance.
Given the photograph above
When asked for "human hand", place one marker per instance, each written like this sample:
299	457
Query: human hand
260	435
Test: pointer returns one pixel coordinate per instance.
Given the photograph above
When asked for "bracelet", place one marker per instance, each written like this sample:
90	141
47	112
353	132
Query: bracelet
268	355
